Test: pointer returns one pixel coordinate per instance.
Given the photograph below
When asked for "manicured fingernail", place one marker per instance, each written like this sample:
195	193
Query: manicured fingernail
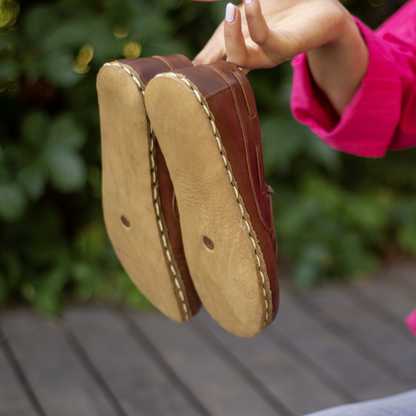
230	13
249	1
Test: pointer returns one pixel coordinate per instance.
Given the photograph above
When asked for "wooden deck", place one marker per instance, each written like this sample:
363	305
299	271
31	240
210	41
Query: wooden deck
328	346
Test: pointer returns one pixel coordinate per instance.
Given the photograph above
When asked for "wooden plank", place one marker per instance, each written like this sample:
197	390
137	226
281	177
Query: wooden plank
388	293
217	385
137	382
388	348
281	374
304	328
59	381
13	399
406	274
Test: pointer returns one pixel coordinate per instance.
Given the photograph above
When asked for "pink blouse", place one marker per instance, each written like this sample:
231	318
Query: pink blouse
382	114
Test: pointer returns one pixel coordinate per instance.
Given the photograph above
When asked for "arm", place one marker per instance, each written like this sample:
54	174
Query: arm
382	112
265	33
338	67
355	114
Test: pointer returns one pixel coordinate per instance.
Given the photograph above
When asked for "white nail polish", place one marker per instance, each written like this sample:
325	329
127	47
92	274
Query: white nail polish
249	1
230	13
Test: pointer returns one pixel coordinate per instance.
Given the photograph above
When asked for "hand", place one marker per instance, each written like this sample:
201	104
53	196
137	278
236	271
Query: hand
265	33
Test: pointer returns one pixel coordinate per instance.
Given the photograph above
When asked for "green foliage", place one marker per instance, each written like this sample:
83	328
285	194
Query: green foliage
336	215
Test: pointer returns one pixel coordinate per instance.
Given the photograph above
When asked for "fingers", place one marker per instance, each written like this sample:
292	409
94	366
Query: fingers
214	50
234	39
263	48
269	49
257	26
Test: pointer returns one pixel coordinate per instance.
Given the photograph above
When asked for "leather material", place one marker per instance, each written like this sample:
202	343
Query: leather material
148	68
231	100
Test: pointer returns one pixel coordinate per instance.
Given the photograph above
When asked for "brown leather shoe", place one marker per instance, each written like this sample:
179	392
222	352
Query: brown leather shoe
206	122
138	196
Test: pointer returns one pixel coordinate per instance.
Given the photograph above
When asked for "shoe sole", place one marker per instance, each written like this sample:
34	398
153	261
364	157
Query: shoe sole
131	200
221	247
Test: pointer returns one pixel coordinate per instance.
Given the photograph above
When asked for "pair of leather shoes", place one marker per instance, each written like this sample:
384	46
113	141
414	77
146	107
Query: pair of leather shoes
185	202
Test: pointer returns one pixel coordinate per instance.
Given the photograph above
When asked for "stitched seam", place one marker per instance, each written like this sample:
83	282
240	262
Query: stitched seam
165	61
237	76
258	168
240	118
216	91
231	178
152	150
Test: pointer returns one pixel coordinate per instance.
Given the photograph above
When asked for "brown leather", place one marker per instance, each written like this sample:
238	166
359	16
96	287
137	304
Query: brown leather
175	207
231	100
270	193
148	68
167	194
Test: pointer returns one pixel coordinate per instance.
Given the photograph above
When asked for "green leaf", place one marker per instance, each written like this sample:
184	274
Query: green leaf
47	301
59	70
322	153
40	21
329	197
32	178
165	46
149	24
407	238
66	133
34	128
12	202
11	264
8	70
365	213
282	142
2	156
70	34
354	259
67	169
305	273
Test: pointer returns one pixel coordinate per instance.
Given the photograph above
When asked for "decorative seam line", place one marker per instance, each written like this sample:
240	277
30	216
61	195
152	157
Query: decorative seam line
156	194
226	164
245	135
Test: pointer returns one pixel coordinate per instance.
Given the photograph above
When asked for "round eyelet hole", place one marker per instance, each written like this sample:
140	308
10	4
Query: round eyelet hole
125	221
208	243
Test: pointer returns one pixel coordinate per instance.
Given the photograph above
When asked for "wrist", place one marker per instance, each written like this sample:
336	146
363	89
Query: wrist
339	66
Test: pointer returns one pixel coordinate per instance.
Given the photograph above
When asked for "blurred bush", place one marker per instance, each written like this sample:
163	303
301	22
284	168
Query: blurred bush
336	215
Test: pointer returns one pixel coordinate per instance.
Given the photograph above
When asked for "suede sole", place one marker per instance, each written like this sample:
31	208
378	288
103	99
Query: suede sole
131	200
221	247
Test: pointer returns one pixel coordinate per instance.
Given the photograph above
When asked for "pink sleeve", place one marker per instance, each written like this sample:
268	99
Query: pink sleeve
382	114
411	322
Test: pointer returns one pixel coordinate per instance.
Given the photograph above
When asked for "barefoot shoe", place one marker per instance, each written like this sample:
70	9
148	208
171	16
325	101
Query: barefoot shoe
138	196
207	126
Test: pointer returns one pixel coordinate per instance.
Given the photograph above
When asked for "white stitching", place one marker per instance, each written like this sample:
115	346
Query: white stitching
155	195
164	241
219	143
215	132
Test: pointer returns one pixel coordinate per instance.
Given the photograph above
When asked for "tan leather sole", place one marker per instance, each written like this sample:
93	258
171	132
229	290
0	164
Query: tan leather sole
221	248
131	202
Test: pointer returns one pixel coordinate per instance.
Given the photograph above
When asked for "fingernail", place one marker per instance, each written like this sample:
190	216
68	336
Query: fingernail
230	13
249	1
